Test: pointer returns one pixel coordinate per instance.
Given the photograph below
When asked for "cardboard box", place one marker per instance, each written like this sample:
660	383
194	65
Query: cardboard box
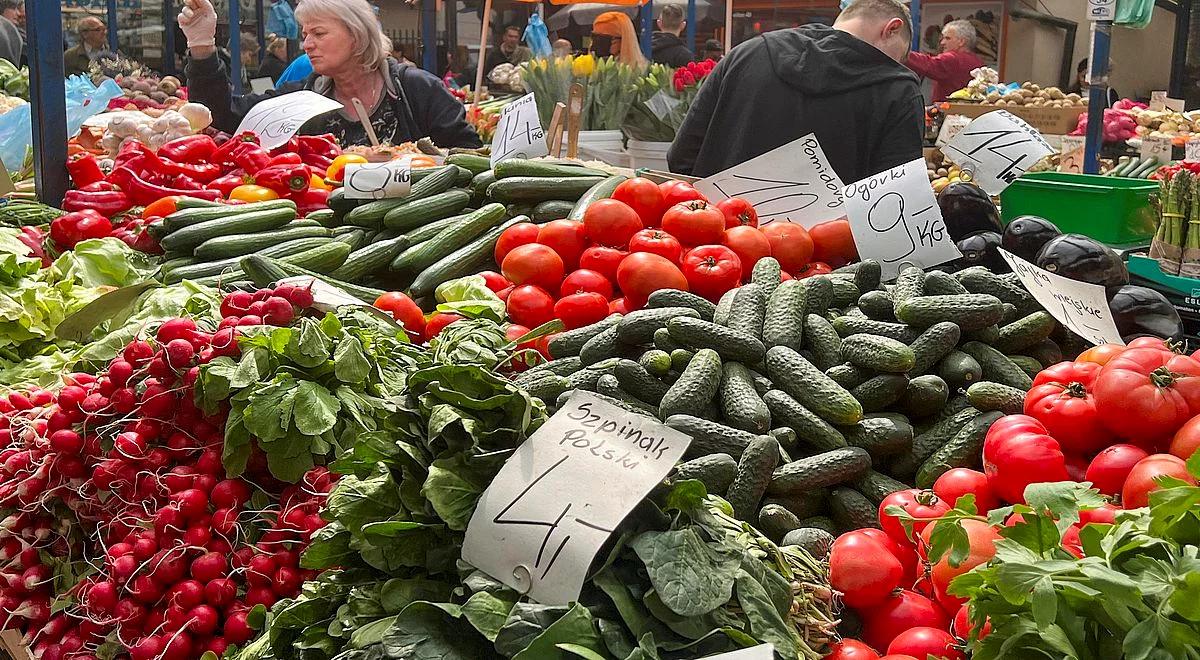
1048	121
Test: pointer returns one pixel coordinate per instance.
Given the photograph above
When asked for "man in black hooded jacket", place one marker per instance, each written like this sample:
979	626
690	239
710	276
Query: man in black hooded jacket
843	83
665	45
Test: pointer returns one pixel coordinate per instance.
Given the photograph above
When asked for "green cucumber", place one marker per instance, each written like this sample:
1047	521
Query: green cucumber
849	376
876	486
186	217
925	396
520	167
971	311
803	504
677	298
724	307
192	236
638	327
767	274
601	347
880	392
679	360
852	510
417	212
775	522
370	259
543	384
844	292
809	427
997	367
608	385
476	164
878	353
847	326
748	311
978	279
1025	332
754	473
989	335
586	377
551	210
202	269
820	294
637	381
963	450
784	321
656	362
600	190
829	468
1027	364
868	275
730	344
709	437
570	342
534	189
816	541
877	305
741	406
322	258
715	471
811	387
423	255
988	396
696	387
927	443
941	283
561	366
910	283
480	183
428	231
370	215
822	341
664	342
463	261
959	370
880	436
933	344
1046	352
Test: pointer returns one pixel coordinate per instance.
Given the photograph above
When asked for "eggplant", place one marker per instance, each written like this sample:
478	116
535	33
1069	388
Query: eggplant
980	249
966	209
1079	257
1140	311
1026	234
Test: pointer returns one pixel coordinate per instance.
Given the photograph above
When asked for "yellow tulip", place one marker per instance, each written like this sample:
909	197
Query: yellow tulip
583	65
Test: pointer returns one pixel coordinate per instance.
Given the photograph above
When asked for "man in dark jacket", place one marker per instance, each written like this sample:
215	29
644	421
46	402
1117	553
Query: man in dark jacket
665	45
845	84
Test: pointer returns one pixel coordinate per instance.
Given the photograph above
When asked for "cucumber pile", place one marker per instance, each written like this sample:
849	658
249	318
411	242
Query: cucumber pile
809	401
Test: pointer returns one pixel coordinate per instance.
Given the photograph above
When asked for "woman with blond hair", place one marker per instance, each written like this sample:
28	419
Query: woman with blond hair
350	60
613	35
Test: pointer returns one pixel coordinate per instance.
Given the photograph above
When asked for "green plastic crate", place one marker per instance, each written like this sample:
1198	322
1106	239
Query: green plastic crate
1111	210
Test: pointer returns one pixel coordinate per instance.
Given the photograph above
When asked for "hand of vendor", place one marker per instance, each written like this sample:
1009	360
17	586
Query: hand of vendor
198	20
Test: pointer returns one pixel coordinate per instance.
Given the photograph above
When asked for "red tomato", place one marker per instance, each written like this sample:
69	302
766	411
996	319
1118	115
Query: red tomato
1147	393
519	234
677	192
897	656
514	332
580	309
851	649
1018	451
833	243
535	264
905	552
612	223
962	625
405	311
918	504
643	196
1109	469
900	611
923	642
1068	410
603	260
643	273
1149	342
566	237
1068	372
543	345
618	306
784	276
1104	515
1071	543
749	244
791	244
586	280
656	241
1186	440
957	482
738	212
530	306
711	270
1140	482
814	268
1101	354
982	538
495	281
502	294
694	223
863	569
438	322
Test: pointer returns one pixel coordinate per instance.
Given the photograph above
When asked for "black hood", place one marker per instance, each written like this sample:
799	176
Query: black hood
660	41
821	61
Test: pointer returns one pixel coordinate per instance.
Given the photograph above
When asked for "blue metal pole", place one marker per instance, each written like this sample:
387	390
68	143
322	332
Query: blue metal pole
44	22
112	25
429	36
915	9
1097	95
647	26
235	44
169	19
691	26
262	27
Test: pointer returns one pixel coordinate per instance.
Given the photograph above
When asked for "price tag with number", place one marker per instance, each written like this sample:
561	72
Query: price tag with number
1158	101
1000	147
1080	306
952	125
896	220
1158	148
1071	150
557	499
377	180
1191	150
519	133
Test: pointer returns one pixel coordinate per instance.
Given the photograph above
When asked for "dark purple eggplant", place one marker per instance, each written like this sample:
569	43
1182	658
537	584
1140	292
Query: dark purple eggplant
1085	259
979	249
966	209
1139	311
1026	234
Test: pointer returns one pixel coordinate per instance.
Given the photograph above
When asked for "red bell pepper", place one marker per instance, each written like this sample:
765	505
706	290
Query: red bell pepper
68	230
100	186
284	179
142	192
227	183
313	199
108	202
1061	399
185	182
189	149
251	157
34	239
1018	451
224	152
318	145
290	158
84	169
1146	394
150	164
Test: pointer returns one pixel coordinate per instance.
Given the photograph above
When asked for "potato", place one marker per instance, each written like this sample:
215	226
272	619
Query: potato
942	171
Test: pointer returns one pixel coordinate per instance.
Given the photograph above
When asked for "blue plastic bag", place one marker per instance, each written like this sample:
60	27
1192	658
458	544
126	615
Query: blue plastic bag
84	100
537	37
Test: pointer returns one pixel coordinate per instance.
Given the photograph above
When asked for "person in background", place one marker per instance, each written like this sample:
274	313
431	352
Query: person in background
665	45
458	68
349	55
1080	86
14	10
949	70
93	40
281	20
249	57
845	84
563	48
713	50
398	54
274	63
509	51
613	36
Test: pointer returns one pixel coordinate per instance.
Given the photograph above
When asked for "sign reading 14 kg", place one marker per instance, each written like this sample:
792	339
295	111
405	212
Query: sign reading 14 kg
519	133
557	499
998	147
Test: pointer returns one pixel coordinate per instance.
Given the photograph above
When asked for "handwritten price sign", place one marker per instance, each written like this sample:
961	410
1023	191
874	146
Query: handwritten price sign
896	220
378	180
277	119
760	652
793	183
998	147
557	499
519	133
1080	306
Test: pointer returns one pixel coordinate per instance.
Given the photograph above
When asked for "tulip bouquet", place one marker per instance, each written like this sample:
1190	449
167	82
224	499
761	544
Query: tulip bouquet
662	100
609	86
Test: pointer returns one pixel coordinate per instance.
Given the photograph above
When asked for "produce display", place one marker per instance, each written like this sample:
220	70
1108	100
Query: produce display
1176	244
985	87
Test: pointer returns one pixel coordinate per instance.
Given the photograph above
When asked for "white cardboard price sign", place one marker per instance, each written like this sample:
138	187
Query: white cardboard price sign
1071	149
519	133
378	180
277	119
896	220
998	147
952	125
1191	149
792	183
1080	306
559	496
760	652
1158	148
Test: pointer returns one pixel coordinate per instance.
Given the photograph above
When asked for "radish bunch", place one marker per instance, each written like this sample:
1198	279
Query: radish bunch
279	306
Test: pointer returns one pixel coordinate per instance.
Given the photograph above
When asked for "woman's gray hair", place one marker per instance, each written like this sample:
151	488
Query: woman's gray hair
359	17
963	30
